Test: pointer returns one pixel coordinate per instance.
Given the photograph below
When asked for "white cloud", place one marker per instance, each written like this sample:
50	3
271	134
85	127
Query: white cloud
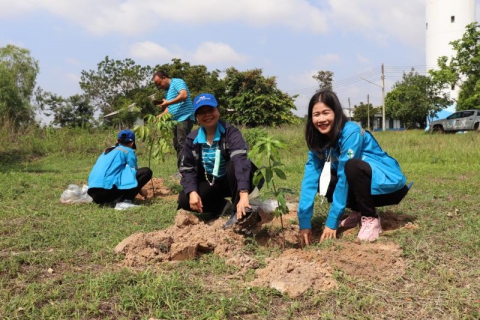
213	54
303	81
326	60
73	77
11	9
297	14
217	53
150	51
363	60
381	20
73	61
132	17
478	11
378	20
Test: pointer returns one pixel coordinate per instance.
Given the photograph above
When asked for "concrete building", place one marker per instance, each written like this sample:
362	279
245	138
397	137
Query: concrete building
445	22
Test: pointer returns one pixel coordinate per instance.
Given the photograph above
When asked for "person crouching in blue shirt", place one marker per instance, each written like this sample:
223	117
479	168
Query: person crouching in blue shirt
346	165
115	177
215	164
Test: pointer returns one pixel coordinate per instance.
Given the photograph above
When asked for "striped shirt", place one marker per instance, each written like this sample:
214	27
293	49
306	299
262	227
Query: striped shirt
208	158
183	110
208	152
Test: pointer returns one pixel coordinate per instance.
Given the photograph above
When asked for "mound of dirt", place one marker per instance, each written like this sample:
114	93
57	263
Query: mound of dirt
381	261
293	272
187	239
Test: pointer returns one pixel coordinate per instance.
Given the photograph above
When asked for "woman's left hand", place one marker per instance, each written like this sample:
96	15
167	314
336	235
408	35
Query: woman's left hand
242	204
328	234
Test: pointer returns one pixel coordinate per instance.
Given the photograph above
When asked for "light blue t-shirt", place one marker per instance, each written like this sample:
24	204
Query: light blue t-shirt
183	110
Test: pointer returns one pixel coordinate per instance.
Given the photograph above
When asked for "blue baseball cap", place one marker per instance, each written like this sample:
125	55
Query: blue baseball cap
204	99
126	136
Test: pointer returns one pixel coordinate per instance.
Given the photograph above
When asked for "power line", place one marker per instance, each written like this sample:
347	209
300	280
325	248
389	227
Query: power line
353	82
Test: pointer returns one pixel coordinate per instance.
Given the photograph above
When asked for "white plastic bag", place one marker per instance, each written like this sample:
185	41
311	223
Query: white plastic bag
75	194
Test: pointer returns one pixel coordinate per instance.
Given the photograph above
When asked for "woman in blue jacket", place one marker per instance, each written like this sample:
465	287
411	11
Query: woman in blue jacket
115	177
347	165
215	165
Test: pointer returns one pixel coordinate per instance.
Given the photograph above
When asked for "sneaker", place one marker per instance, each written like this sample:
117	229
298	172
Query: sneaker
370	230
126	204
352	220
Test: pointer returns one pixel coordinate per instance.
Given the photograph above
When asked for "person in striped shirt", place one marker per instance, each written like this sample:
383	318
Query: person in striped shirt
178	103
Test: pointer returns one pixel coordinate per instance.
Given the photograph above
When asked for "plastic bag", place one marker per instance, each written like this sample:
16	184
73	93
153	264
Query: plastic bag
75	194
266	206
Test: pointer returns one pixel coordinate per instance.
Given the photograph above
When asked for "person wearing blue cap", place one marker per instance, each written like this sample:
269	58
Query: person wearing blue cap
215	164
115	177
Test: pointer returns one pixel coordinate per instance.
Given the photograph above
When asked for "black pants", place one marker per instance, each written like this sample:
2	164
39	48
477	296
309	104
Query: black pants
101	195
213	197
180	133
359	178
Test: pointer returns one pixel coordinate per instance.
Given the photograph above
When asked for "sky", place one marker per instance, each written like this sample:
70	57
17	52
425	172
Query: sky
288	39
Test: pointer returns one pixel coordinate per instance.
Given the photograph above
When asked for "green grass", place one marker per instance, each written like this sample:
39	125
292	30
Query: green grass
57	261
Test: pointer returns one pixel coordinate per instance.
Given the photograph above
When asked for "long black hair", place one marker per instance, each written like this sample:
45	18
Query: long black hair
315	140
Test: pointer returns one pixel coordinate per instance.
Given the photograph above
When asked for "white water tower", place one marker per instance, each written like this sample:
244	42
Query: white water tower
445	22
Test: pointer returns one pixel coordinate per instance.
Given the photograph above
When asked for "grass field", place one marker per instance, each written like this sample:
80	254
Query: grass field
57	260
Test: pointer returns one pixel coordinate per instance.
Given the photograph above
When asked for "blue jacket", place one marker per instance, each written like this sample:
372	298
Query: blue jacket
117	167
354	142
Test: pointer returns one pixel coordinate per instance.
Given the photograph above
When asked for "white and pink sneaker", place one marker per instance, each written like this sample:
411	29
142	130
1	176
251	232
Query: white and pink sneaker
370	230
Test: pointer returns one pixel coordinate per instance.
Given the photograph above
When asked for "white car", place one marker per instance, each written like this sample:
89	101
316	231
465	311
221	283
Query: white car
458	121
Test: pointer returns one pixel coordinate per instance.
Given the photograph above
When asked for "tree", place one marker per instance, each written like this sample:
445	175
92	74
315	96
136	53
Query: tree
116	83
18	73
362	112
463	69
254	100
414	98
325	79
74	111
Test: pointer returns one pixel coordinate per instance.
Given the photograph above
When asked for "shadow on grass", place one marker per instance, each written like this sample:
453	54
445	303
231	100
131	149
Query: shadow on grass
16	160
9	160
393	221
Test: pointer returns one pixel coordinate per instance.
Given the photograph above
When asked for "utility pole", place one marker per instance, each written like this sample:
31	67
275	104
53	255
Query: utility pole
368	111
383	98
383	94
349	110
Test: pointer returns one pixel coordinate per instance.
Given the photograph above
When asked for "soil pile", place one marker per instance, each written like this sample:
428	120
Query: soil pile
187	239
293	272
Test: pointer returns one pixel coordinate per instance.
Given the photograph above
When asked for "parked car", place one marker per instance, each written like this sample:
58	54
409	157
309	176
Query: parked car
458	121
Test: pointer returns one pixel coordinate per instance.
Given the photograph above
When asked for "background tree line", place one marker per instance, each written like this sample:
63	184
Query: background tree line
246	97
